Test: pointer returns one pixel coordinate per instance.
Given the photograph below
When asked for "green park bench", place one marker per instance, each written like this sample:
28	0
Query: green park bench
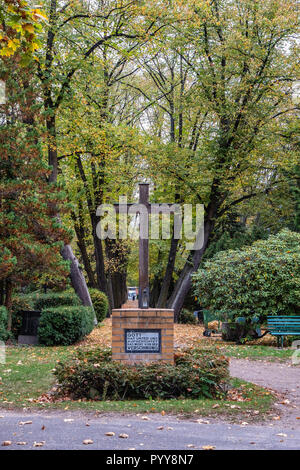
281	326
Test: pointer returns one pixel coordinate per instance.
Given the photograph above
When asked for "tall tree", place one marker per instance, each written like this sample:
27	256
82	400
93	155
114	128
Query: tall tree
243	56
30	237
75	33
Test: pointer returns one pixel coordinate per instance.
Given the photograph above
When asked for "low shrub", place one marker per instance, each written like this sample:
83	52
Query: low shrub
196	373
65	325
39	301
100	304
54	299
187	317
3	324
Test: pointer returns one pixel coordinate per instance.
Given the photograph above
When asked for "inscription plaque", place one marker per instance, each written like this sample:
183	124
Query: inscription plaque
142	341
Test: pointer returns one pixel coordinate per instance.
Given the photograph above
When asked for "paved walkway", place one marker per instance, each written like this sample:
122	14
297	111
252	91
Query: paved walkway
66	430
280	377
69	430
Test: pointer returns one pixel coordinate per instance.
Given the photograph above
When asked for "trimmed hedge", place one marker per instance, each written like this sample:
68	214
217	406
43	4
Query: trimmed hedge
100	304
55	299
196	373
65	325
39	301
3	324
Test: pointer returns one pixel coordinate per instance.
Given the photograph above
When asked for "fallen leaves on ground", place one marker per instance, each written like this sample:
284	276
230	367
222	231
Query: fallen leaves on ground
236	394
87	441
6	443
184	335
123	436
39	444
208	447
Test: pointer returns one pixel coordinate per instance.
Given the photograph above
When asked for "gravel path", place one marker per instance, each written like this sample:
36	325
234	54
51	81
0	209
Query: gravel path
283	378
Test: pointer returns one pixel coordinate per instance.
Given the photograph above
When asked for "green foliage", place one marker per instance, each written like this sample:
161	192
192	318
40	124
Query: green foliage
187	317
19	303
259	280
65	325
295	189
30	237
54	299
39	301
3	323
231	234
100	304
20	25
196	373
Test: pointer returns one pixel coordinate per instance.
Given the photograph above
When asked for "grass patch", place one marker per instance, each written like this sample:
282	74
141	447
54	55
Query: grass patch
27	375
256	352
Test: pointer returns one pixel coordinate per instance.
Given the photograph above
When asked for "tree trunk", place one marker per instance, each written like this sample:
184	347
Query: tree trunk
86	262
183	284
164	292
77	278
2	290
117	258
110	295
80	232
8	302
99	257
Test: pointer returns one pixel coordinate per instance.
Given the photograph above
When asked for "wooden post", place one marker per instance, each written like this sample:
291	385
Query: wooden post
144	250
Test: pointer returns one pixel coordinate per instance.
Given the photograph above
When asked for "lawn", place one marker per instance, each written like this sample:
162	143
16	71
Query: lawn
27	377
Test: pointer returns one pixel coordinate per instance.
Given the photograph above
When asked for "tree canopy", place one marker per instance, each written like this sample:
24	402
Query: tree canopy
196	97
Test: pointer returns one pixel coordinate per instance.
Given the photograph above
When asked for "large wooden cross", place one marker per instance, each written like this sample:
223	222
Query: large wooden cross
144	244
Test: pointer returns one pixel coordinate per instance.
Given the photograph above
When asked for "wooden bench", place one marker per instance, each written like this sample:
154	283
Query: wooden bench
281	326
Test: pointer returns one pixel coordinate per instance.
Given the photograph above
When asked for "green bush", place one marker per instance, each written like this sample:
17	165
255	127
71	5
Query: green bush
187	317
3	324
196	373
100	304
54	299
39	301
259	280
65	325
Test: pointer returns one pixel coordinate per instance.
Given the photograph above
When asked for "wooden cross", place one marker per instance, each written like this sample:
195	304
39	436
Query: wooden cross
144	293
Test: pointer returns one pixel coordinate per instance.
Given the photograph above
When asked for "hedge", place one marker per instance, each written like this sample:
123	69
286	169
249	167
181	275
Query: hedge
39	301
54	299
3	324
100	304
65	325
196	373
259	280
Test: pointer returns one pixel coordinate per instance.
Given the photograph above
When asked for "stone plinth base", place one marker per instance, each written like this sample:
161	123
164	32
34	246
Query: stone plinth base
27	339
142	335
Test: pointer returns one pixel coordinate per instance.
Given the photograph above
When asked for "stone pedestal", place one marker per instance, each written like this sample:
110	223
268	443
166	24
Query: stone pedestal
142	335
